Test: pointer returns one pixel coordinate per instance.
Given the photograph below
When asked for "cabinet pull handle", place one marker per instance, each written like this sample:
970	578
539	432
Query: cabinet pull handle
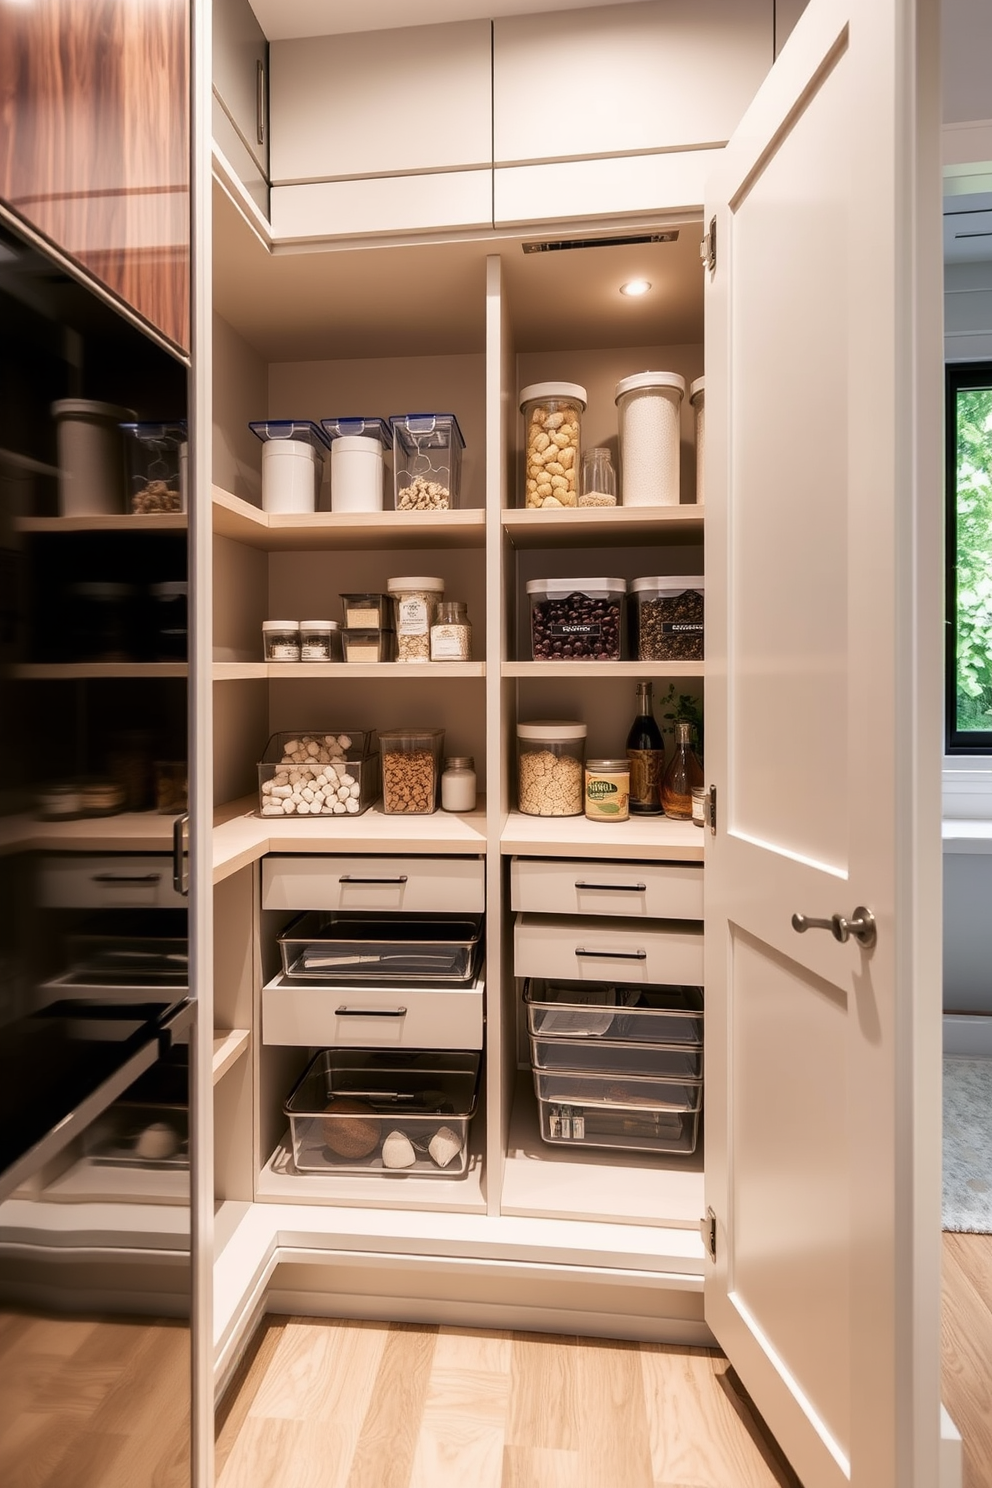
615	955
347	1012
350	878
180	874
126	878
619	888
260	102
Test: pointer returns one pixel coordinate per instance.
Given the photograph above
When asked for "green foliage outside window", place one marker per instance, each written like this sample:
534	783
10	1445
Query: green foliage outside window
974	559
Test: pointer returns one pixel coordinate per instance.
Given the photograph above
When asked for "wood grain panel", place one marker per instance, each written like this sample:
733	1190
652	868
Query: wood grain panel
966	1350
94	142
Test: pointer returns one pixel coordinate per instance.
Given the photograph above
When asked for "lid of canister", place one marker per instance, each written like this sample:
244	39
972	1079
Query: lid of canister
86	408
575	586
399	586
537	390
172	590
459	762
280	624
547	729
608	765
355	444
697	388
642	380
358	427
668	584
292	431
319	625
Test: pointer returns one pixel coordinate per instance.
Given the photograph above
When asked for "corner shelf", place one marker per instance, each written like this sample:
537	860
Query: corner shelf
344	531
117	522
613	527
228	1049
653	838
588	670
128	831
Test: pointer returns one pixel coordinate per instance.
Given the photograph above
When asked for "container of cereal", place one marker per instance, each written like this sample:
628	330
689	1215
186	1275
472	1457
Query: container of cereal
667	618
415	603
575	619
411	770
607	790
552	422
156	473
549	767
648	406
427	461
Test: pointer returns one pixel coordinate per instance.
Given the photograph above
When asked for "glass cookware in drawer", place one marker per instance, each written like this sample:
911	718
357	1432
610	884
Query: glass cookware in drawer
612	1011
660	891
668	951
362	946
108	881
294	1013
451	885
367	1111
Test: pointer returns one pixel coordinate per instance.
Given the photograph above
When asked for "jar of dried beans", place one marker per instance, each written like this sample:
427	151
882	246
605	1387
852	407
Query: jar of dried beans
667	623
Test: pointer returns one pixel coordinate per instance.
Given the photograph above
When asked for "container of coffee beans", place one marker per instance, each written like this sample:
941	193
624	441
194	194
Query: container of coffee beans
667	618
575	619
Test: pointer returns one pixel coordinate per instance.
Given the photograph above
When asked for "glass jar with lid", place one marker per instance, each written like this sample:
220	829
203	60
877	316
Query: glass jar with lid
451	633
458	783
599	480
415	600
281	639
549	767
552	423
320	640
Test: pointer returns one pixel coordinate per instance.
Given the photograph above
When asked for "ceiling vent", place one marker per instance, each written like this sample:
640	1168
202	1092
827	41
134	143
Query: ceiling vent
559	245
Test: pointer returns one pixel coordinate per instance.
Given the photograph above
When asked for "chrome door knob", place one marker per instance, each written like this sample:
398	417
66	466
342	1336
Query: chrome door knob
860	927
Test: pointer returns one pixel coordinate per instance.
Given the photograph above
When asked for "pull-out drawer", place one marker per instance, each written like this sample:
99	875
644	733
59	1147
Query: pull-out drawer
660	891
292	881
372	1017
608	950
110	881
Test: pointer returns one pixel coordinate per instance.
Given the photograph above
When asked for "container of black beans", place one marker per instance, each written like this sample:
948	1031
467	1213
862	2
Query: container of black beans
666	618
576	619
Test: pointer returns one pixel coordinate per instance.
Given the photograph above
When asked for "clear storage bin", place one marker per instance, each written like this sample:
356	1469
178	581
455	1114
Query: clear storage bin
667	618
367	611
156	463
648	1130
550	758
602	1057
318	774
599	1010
576	619
320	640
552	425
427	461
362	646
281	640
347	946
351	1103
411	770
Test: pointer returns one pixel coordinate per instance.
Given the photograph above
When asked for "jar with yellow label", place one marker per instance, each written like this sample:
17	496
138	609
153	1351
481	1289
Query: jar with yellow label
607	792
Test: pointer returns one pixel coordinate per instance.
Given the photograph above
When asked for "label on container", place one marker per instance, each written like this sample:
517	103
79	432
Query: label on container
449	643
699	810
576	628
315	651
412	617
607	796
283	652
682	627
646	769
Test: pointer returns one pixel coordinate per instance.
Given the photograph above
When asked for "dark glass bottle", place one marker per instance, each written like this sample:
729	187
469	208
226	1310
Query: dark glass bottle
646	753
684	771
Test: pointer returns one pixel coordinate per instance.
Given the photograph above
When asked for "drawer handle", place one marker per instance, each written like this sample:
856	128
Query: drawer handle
350	878
616	955
347	1012
617	888
126	878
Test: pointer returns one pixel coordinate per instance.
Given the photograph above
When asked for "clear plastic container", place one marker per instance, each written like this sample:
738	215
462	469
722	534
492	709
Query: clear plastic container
347	1111
346	945
318	774
600	1010
649	414
550	756
599	479
667	618
320	640
576	619
666	1062
644	1129
697	397
361	646
427	461
367	611
451	633
292	464
170	620
411	771
552	434
281	639
415	601
156	466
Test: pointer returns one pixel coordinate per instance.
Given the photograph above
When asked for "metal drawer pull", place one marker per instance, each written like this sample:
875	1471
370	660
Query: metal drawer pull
180	875
616	955
126	878
617	888
861	926
347	1012
349	878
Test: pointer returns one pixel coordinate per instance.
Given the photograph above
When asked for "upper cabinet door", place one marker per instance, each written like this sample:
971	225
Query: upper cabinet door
381	103
241	76
94	152
657	75
823	721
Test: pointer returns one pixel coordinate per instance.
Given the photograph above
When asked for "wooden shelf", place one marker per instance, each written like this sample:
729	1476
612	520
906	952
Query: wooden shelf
118	522
64	671
613	527
228	1049
311	671
344	531
603	669
279	1182
654	838
130	831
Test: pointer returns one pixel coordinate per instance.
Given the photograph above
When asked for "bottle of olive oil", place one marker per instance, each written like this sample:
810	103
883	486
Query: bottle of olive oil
646	753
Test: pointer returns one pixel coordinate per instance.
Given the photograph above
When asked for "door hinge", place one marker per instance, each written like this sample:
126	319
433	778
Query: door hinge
707	1228
711	810
707	248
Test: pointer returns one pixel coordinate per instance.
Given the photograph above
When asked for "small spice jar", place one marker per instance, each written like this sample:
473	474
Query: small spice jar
458	783
699	794
415	602
607	793
320	640
549	767
281	639
451	633
599	480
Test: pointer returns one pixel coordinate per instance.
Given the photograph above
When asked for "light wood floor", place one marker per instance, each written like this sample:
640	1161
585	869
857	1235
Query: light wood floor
367	1405
966	1350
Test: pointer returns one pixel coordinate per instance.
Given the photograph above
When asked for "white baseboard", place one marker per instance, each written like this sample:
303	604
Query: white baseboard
968	1035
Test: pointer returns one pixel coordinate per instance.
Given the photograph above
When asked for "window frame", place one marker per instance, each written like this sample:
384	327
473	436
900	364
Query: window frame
959	376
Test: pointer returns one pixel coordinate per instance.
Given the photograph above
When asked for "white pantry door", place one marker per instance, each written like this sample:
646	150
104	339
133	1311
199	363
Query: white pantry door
823	362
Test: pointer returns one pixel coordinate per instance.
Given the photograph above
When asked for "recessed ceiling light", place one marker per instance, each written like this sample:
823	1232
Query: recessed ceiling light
635	287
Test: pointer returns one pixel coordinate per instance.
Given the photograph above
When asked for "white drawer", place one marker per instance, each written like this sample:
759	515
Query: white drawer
661	891
376	1017
608	950
111	881
291	881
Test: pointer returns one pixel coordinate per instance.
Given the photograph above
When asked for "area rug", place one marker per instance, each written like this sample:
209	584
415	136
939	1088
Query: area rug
967	1204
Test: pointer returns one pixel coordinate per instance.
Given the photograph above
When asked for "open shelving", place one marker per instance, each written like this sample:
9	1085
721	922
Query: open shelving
344	531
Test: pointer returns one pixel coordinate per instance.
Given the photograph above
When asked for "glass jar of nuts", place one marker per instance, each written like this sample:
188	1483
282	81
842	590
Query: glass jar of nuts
552	420
549	768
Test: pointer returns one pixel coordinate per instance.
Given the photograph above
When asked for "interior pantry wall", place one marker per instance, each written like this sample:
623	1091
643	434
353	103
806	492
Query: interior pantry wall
240	383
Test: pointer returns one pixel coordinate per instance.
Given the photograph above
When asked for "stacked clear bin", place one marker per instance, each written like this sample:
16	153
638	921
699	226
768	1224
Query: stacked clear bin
307	774
617	1065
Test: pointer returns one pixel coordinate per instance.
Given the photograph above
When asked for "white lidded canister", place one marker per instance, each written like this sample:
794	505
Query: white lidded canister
291	472
697	397
649	405
357	474
91	457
